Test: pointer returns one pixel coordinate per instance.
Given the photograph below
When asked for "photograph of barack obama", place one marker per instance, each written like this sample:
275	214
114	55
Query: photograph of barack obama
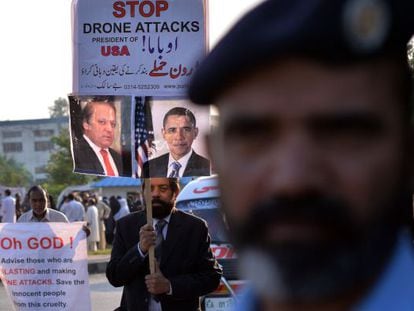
179	131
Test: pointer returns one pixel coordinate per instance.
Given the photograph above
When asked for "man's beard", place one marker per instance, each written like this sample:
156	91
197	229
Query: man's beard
161	209
349	254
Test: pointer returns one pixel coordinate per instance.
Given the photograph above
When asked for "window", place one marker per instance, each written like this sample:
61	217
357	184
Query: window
12	134
43	133
12	147
43	145
40	169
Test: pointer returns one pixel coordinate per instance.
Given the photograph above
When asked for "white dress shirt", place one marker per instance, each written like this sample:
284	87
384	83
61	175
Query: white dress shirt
183	161
50	216
74	210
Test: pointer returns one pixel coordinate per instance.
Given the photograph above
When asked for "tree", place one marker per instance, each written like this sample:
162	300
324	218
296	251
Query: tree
13	174
59	108
59	167
410	49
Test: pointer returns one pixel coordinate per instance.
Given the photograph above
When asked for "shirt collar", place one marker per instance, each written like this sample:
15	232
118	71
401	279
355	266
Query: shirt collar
95	148
167	219
45	218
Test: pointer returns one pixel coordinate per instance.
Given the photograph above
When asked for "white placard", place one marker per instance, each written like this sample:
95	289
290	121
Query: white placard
149	47
43	266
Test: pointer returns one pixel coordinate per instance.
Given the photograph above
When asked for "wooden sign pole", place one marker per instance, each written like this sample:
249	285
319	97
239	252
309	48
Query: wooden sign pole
148	203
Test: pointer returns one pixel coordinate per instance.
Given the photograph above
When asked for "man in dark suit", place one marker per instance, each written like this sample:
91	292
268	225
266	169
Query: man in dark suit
186	268
86	161
92	152
179	131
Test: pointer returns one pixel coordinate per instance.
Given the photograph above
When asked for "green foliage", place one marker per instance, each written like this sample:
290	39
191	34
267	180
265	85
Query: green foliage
13	174
410	52
60	166
59	108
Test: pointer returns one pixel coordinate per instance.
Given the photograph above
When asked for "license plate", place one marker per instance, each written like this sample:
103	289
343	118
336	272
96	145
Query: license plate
218	303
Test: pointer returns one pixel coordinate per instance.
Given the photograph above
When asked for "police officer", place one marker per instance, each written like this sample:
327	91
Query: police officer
313	151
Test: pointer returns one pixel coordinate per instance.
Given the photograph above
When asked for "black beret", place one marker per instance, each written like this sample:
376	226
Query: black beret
340	31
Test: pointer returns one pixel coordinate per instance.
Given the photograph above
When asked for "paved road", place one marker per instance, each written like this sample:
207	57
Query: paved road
104	296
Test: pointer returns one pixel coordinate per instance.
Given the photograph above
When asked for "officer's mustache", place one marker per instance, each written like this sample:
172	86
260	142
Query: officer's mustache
331	214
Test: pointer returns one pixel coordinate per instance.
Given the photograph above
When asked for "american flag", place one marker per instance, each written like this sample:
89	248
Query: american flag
144	132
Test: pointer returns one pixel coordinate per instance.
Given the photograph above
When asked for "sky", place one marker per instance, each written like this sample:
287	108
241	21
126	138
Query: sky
36	56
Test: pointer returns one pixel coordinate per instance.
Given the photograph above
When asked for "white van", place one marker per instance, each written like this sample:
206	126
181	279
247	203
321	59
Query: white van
201	197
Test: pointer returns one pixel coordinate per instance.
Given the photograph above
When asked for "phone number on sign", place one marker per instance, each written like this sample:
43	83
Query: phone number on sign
141	86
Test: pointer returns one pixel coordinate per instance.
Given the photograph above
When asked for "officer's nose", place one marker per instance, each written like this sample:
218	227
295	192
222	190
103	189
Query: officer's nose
295	167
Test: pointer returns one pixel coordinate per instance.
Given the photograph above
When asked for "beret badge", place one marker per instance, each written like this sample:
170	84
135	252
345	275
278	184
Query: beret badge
366	24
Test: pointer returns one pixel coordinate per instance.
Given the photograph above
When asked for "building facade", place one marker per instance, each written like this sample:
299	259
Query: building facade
29	142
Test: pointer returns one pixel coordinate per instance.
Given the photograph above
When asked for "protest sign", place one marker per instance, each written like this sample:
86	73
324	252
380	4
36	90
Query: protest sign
43	266
135	50
141	49
137	47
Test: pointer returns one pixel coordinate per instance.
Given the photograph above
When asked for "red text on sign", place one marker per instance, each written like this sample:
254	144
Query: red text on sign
114	50
10	243
144	8
45	243
205	189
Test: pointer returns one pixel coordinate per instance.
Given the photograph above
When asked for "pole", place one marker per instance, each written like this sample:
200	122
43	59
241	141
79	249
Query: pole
148	203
